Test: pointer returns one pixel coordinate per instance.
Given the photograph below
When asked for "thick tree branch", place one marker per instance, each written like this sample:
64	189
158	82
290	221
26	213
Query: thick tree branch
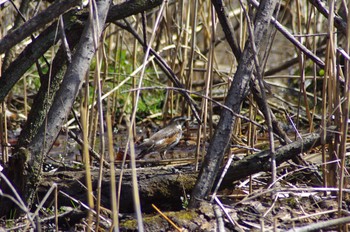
237	93
30	159
227	27
35	23
131	7
260	161
165	186
73	21
292	39
339	22
31	53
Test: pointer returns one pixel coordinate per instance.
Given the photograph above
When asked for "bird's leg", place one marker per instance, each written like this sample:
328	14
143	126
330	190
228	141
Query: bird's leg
162	155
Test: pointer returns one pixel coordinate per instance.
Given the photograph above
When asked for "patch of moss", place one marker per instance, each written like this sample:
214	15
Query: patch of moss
186	215
130	224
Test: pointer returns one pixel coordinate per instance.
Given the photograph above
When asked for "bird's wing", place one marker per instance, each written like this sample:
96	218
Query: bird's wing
165	134
144	148
146	145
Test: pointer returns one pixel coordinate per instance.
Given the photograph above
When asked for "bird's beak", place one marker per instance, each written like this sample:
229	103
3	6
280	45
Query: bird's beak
186	119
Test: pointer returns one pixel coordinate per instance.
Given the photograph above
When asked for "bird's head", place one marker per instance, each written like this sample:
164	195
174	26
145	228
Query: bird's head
178	120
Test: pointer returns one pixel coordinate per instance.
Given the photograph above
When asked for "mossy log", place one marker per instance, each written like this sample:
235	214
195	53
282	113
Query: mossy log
167	187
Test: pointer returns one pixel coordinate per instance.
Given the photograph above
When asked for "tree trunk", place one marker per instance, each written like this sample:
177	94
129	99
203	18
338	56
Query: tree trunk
30	159
237	93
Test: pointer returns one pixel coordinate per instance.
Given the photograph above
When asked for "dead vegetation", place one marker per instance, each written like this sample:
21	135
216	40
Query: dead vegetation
266	87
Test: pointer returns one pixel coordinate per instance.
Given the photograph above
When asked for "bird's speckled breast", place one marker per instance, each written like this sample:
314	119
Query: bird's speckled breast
171	140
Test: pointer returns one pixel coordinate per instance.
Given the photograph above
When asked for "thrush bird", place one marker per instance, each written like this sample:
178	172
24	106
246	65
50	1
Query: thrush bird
164	139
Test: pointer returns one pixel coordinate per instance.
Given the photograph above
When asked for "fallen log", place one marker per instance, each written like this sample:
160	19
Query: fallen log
166	186
259	162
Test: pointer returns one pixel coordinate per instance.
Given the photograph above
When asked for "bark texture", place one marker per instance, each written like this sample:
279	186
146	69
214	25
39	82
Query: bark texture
252	164
237	93
227	27
31	163
35	23
74	21
165	186
67	93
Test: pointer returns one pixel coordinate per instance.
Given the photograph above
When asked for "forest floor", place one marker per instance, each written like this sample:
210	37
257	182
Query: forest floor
297	199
